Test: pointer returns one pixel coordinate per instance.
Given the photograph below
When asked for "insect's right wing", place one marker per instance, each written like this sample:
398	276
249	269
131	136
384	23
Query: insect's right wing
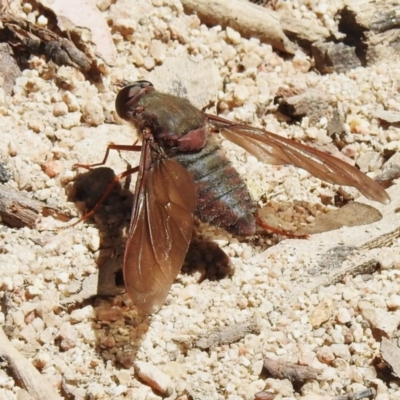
160	231
275	149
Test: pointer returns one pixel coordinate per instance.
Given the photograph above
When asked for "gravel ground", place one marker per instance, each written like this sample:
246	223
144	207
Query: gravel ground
102	348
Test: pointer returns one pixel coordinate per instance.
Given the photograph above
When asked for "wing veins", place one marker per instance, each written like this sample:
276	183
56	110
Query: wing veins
282	150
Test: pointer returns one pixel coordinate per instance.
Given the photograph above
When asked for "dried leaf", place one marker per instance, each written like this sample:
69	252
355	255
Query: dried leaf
84	14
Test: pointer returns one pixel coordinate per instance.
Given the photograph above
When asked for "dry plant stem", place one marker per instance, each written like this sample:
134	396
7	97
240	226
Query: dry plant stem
390	352
24	373
248	19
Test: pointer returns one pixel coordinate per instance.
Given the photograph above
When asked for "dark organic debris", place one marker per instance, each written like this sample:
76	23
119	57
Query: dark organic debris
27	38
334	57
4	174
297	104
9	71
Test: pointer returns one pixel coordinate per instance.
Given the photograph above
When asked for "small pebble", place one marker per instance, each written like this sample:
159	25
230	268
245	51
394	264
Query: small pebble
343	315
233	35
92	113
155	378
60	109
42	21
82	314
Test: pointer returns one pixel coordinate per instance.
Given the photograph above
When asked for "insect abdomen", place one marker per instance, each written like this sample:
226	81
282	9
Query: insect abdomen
222	196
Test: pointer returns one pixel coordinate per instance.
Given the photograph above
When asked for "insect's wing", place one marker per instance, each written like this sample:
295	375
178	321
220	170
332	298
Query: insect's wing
160	232
275	149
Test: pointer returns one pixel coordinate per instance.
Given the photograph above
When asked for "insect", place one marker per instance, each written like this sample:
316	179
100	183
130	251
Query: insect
182	173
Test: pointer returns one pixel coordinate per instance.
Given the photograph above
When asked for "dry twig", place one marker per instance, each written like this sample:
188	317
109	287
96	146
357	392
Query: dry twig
24	373
18	210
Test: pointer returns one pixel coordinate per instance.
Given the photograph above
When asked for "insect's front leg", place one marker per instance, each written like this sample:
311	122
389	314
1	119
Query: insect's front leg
107	192
111	146
116	179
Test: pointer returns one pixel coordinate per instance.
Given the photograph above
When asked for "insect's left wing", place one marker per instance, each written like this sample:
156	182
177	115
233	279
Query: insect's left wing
274	149
160	231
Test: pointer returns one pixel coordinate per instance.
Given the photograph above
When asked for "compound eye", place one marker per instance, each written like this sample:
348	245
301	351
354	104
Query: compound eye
129	95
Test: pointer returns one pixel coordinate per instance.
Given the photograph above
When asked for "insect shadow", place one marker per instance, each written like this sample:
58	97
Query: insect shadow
204	257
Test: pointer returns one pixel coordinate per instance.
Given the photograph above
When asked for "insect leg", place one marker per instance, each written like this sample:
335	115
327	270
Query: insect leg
278	231
111	146
109	189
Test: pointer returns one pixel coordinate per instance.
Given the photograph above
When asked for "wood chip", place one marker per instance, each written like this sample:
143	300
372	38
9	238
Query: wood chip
391	355
9	69
334	57
393	117
374	25
370	15
228	334
290	371
154	377
248	19
362	394
18	210
310	103
303	31
264	396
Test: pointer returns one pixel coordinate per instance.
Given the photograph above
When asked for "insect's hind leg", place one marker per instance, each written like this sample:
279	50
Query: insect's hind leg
268	228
